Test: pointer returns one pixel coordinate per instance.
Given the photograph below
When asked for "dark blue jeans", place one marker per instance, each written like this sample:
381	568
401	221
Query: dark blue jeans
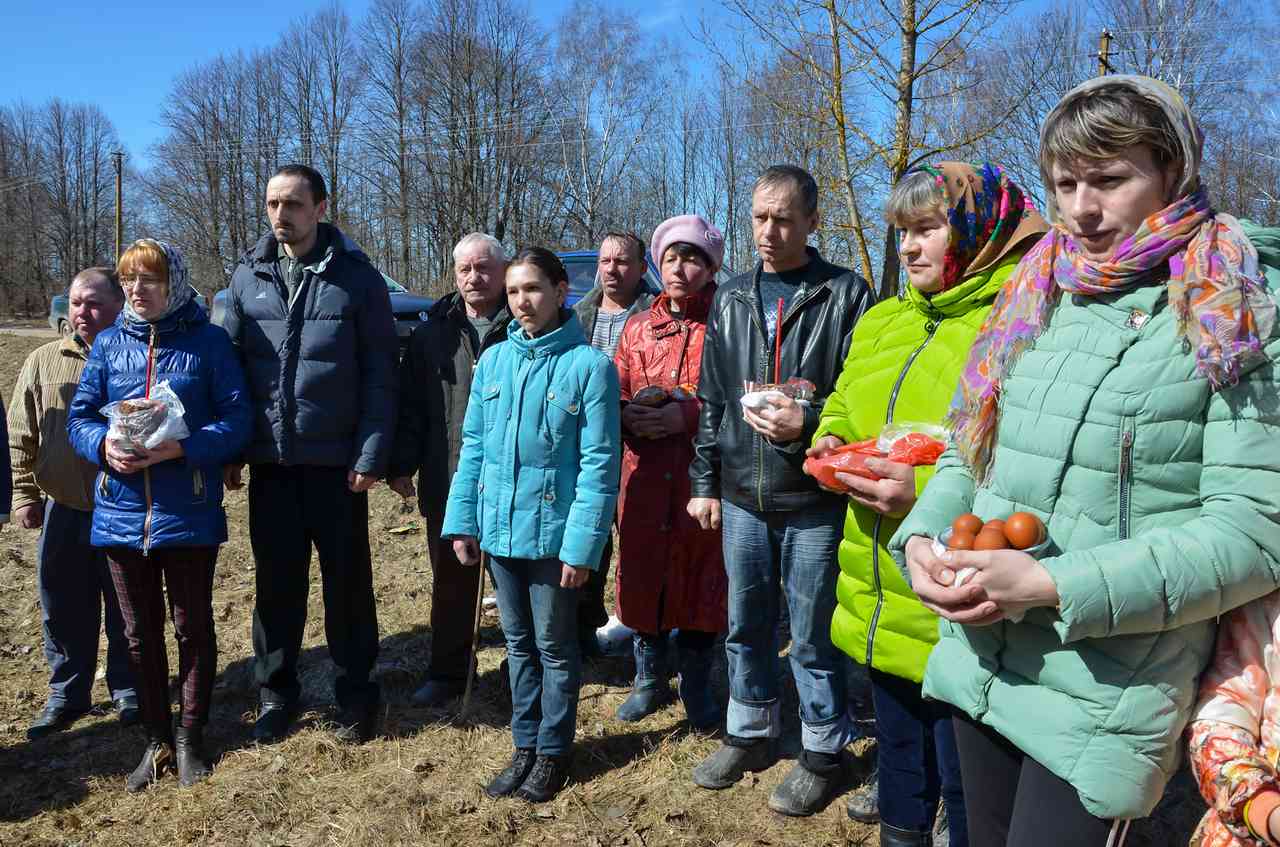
540	622
796	550
75	591
916	750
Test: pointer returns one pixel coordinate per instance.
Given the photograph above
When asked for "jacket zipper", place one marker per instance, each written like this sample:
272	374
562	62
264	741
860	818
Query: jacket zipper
930	329
759	453
146	472
1126	474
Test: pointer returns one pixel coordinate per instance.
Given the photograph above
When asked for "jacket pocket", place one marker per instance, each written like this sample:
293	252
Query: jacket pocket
564	405
550	521
491	395
1124	477
199	492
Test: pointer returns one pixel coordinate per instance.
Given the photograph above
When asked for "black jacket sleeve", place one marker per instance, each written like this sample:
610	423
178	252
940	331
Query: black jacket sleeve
704	471
377	348
412	424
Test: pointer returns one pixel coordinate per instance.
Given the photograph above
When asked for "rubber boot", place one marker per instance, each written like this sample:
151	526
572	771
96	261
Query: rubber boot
891	836
192	767
649	691
156	759
695	689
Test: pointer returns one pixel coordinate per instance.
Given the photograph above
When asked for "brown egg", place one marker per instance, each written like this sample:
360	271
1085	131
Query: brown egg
1024	530
994	523
968	522
990	539
960	540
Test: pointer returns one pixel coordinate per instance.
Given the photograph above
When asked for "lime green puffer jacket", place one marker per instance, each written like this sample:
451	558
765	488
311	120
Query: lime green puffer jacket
903	364
1162	500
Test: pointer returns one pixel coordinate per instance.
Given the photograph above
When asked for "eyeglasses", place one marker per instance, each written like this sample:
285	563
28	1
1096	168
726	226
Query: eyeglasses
151	283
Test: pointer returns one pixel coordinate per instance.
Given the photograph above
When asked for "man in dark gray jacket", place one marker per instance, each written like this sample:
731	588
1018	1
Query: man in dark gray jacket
619	293
311	319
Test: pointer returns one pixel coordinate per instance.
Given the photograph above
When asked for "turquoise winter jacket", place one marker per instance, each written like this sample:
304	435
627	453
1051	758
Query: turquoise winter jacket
1162	500
541	443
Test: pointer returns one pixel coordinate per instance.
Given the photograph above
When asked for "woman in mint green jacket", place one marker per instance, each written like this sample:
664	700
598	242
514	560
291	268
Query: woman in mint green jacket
1124	390
963	229
535	488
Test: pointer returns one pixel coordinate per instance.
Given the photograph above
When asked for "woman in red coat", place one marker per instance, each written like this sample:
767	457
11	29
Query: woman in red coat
670	571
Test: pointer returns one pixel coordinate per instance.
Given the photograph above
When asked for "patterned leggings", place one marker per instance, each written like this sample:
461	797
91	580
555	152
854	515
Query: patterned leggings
187	573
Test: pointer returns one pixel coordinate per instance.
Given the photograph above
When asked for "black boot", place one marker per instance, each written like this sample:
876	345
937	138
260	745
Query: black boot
192	767
513	775
649	690
891	836
156	759
548	776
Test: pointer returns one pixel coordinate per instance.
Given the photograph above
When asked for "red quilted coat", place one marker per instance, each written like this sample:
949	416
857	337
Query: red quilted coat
670	570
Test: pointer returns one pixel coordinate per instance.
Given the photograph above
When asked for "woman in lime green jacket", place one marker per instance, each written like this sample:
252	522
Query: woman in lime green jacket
963	230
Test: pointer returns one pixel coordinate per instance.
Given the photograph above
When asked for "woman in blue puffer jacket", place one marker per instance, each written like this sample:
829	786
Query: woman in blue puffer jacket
158	512
535	488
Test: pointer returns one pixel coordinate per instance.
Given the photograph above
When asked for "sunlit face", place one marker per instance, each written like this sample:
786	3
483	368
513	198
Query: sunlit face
618	269
292	210
147	292
481	279
1104	201
780	227
682	278
534	299
923	248
91	307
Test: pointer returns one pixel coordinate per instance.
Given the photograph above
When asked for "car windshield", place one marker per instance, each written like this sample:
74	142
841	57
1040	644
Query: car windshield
393	286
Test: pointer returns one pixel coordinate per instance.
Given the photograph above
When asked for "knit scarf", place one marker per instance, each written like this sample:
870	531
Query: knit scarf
1215	288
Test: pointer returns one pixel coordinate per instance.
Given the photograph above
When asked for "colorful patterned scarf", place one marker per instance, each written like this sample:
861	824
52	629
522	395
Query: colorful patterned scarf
1216	289
988	215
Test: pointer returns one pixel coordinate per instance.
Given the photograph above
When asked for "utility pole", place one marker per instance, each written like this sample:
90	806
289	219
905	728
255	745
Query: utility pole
1104	53
118	158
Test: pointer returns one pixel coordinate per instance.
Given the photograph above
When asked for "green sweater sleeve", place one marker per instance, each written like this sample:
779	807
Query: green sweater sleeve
1226	556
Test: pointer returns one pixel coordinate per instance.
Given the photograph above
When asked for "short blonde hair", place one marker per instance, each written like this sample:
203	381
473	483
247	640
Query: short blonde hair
916	195
143	256
1103	123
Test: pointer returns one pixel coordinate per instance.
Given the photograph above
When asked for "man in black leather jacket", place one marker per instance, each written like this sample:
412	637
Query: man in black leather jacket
779	527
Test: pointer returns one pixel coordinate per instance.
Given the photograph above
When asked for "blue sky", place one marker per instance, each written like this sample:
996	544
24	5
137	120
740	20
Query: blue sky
125	55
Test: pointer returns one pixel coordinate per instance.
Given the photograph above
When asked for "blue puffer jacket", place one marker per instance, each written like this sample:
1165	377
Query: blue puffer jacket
176	503
541	446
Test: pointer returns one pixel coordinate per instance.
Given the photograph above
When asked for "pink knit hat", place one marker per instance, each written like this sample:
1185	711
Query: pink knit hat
693	229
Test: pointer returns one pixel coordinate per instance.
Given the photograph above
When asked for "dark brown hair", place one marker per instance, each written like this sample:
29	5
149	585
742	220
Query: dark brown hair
547	263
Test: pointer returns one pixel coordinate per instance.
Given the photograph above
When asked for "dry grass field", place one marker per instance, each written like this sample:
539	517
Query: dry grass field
419	783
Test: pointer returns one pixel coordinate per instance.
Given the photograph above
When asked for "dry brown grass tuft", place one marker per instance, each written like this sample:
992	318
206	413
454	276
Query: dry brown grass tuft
418	784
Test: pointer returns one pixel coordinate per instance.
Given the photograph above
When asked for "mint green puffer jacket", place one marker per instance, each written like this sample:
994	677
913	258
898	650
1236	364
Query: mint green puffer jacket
1162	499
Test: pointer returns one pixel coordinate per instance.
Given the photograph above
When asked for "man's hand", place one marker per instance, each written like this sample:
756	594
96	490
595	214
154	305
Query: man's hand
706	511
232	476
931	580
781	421
467	549
30	516
121	457
571	577
893	496
403	485
359	483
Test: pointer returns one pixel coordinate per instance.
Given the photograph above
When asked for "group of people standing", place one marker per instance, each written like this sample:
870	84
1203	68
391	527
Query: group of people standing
1111	372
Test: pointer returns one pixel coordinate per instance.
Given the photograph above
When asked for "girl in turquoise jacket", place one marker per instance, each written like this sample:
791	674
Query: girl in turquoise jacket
1124	390
535	488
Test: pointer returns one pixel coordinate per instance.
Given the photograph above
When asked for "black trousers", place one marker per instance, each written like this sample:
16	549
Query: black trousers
290	510
1013	801
592	613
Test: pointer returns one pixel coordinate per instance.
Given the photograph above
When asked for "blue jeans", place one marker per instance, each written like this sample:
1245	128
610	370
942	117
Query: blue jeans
540	621
76	594
798	551
916	750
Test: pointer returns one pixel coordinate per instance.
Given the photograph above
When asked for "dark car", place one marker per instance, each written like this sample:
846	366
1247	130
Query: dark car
61	324
581	265
409	309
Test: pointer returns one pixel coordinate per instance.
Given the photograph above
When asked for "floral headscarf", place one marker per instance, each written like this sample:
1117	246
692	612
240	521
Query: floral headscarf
988	215
180	290
1224	312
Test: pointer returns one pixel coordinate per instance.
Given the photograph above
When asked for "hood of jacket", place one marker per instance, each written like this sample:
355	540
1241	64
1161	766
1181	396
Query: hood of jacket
568	334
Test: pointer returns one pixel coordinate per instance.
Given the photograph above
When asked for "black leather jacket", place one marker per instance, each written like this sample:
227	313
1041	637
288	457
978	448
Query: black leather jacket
731	461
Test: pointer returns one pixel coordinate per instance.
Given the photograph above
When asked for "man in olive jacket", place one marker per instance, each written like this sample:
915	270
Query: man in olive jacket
311	319
435	386
780	529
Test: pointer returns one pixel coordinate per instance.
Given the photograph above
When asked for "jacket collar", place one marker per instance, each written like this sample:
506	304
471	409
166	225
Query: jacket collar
451	307
568	334
662	322
73	345
971	293
188	316
267	250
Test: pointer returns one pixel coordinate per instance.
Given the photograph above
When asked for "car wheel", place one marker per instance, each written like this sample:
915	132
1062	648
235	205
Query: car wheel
64	327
